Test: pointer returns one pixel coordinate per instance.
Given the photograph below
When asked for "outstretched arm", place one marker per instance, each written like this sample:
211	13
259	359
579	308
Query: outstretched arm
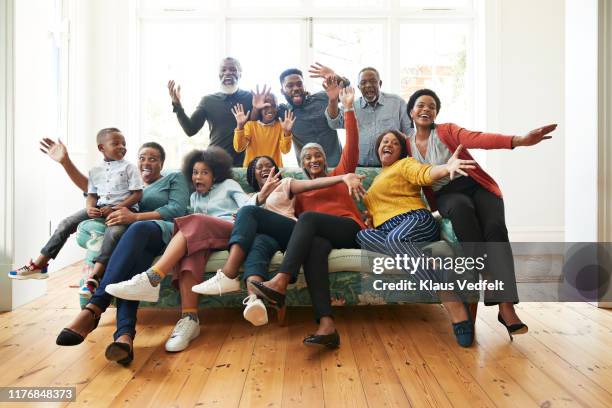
353	182
481	140
454	165
59	153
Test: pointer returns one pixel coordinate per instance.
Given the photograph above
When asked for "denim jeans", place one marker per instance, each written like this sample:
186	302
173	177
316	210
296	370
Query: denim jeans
134	253
260	233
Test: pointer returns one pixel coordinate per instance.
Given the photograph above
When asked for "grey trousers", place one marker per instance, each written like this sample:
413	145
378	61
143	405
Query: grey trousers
69	225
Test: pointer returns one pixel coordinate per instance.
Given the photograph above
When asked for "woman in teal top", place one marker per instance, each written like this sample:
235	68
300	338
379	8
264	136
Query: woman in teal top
164	198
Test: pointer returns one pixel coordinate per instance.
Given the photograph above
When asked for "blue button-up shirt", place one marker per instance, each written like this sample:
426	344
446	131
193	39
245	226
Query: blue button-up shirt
388	113
311	125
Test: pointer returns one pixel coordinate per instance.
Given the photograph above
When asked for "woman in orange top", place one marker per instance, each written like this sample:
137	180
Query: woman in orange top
329	215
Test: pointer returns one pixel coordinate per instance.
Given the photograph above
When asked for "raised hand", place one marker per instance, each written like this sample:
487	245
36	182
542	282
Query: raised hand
241	117
259	98
175	92
56	151
318	70
534	137
272	182
456	165
347	96
332	88
287	123
353	182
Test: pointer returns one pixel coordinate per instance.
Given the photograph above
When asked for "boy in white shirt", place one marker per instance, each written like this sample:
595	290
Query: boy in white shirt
114	183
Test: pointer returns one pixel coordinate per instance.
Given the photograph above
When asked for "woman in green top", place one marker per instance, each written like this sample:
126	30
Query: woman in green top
164	198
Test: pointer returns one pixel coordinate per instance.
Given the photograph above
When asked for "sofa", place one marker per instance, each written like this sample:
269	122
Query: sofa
350	272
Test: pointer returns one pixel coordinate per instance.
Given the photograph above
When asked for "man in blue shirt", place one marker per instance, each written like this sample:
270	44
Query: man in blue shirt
376	112
309	110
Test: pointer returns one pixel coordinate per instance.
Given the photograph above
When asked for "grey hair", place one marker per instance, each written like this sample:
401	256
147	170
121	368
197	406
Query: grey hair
234	60
307	147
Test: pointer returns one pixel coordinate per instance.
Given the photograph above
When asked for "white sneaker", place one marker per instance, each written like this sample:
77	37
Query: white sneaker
185	330
217	285
137	288
255	310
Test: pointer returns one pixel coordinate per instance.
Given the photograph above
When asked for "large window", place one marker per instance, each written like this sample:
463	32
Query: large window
413	44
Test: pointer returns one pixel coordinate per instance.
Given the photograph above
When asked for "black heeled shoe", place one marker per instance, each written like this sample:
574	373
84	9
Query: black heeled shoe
464	331
276	299
330	341
69	337
119	352
516	328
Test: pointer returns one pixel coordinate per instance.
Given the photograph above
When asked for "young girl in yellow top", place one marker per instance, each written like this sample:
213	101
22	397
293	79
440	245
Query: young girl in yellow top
266	136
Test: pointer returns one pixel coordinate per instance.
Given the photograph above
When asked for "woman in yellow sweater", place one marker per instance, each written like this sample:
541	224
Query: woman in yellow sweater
401	219
266	136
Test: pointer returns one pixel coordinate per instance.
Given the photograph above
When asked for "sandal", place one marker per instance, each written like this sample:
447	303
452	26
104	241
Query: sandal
69	337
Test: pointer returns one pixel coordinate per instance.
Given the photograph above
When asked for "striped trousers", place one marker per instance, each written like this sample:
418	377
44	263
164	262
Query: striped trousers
401	235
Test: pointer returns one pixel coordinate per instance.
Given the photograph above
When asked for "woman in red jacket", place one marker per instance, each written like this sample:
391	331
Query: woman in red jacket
329	215
474	204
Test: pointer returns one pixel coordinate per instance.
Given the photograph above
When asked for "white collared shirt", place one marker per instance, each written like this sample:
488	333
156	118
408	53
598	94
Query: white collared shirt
113	181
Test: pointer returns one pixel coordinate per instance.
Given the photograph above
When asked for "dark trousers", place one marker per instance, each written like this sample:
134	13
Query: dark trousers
339	231
65	228
478	220
313	238
134	253
68	226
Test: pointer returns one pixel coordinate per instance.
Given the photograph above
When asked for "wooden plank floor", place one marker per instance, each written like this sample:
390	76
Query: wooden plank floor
390	356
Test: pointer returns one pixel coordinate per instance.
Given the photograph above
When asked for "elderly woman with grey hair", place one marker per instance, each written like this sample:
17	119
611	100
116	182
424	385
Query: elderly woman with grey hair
328	218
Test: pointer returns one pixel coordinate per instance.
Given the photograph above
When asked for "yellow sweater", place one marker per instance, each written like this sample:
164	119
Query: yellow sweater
397	190
259	139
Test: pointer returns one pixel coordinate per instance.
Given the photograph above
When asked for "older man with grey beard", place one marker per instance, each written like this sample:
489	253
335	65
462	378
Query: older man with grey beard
216	109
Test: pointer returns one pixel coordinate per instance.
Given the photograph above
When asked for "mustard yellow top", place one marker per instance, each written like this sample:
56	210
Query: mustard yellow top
397	190
259	139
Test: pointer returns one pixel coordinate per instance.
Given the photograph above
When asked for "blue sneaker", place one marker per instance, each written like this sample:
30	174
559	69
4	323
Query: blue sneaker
30	271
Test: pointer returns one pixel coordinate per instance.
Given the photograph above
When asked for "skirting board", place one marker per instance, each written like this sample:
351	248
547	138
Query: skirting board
536	234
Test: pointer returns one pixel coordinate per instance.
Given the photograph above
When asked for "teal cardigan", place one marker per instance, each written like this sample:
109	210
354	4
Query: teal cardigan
169	196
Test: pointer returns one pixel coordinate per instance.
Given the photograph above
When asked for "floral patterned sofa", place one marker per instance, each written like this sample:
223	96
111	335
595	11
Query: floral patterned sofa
350	271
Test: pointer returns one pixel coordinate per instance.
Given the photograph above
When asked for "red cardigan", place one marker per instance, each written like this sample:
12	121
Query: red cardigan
336	200
452	136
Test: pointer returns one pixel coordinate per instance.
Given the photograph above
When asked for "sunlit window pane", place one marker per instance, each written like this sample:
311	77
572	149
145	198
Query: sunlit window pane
351	3
437	4
264	3
179	5
348	47
175	50
435	56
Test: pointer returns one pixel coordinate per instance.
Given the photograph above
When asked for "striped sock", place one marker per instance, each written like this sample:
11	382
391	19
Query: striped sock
155	275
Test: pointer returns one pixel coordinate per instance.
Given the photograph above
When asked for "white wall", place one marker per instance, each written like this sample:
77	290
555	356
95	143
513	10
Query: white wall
525	90
583	87
33	119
